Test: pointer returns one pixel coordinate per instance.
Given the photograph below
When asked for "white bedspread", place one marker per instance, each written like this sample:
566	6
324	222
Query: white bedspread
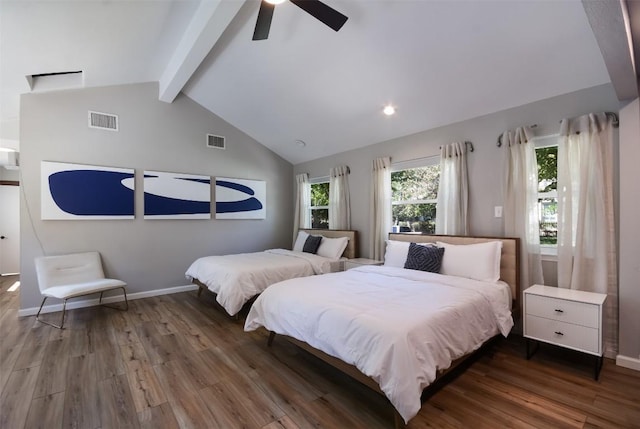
237	278
397	326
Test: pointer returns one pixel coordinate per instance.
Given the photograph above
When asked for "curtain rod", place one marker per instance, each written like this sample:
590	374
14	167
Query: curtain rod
612	115
466	144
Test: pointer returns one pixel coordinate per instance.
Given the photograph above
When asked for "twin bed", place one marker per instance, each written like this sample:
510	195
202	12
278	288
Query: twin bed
395	329
236	279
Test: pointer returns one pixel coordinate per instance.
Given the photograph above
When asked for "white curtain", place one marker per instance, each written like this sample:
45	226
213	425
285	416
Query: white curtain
586	230
380	206
339	205
302	214
453	191
521	213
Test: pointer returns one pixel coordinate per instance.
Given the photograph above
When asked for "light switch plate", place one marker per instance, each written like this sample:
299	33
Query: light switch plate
497	211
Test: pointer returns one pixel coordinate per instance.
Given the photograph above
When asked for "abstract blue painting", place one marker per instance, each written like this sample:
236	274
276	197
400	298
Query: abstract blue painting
176	196
76	191
240	198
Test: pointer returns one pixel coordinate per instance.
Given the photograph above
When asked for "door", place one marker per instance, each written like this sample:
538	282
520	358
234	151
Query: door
9	229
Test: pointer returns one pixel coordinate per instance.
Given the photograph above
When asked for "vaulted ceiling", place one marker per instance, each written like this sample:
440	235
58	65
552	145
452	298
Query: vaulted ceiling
437	62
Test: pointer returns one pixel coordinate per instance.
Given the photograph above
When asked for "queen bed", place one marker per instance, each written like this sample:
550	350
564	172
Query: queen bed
398	329
235	279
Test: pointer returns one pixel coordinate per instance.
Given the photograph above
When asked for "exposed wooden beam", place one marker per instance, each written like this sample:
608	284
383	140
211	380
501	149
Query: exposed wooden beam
209	22
610	25
634	21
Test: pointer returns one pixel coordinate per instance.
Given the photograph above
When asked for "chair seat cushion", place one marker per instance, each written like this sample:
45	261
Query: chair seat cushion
84	288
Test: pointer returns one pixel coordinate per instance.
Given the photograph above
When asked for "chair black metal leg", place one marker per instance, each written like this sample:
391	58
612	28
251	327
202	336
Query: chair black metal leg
41	305
64	307
126	302
64	310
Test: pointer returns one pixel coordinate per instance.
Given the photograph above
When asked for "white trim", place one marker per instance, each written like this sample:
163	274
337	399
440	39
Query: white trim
415	163
406	202
547	140
318	180
628	362
110	299
549	252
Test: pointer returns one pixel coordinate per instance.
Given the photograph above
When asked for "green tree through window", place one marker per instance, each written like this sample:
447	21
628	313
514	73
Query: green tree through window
414	194
320	205
547	159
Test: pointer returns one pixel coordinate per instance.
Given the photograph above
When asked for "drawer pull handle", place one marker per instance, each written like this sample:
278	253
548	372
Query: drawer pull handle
559	333
557	310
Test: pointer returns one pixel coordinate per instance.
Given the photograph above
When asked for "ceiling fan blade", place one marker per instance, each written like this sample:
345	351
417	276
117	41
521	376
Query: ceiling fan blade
263	23
322	12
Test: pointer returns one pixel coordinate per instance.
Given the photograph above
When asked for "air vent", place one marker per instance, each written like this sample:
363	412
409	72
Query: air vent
103	121
55	81
215	141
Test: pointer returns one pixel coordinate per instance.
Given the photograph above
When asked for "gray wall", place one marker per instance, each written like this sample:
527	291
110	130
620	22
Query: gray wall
147	254
629	293
484	164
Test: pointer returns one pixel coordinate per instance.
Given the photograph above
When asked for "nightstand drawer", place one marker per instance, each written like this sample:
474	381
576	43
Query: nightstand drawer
578	313
564	334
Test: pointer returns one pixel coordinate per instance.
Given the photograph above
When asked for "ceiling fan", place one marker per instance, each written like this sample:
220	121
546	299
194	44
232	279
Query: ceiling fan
315	8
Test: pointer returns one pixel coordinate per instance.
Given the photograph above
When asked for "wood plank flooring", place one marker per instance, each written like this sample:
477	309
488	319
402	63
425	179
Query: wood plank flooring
177	361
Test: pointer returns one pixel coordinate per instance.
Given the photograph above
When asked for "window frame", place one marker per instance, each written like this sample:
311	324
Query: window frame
548	251
317	181
408	165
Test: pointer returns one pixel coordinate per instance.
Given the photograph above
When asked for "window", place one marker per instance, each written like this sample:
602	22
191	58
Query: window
414	194
319	203
547	157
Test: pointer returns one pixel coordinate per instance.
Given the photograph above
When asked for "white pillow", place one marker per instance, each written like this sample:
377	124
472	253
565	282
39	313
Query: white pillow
332	247
479	261
299	244
395	254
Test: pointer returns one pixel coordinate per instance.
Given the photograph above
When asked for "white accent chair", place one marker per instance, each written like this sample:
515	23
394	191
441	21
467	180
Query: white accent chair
73	275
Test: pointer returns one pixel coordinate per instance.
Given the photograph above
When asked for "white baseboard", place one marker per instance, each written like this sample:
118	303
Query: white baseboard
107	300
628	362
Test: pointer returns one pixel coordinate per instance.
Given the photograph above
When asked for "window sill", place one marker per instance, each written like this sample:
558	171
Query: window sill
549	253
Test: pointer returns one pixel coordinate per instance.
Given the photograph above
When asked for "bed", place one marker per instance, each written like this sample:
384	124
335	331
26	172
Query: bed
394	329
237	278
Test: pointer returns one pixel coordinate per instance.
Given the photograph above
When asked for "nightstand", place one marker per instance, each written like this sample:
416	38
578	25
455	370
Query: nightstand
358	262
566	318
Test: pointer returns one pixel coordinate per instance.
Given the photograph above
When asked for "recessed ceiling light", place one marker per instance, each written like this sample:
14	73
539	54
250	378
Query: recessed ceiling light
389	110
275	1
300	143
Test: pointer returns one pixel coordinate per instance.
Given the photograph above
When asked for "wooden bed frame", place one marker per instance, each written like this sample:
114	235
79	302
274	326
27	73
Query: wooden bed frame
509	273
351	251
509	259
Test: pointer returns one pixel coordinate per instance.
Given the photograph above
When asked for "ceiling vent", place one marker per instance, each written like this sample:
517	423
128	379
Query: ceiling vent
103	121
55	81
217	142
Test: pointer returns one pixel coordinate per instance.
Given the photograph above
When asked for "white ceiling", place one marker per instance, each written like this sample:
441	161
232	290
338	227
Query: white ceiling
438	62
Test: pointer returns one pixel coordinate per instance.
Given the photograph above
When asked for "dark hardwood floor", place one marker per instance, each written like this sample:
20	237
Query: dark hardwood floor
176	361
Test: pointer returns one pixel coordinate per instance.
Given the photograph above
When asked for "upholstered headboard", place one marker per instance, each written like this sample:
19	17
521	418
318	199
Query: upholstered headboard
352	247
509	260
